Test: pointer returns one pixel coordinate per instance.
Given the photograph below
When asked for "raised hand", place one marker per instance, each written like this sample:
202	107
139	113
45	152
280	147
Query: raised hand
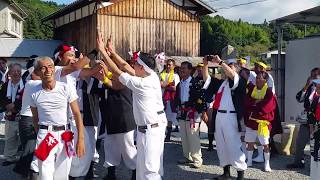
98	66
100	75
109	45
100	41
216	59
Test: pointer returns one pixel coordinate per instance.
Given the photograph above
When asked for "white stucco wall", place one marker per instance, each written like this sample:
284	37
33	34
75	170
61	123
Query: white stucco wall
301	56
3	16
7	14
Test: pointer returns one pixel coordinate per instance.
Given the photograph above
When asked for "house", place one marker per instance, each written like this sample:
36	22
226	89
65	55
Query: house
11	19
12	45
170	26
301	56
17	50
266	56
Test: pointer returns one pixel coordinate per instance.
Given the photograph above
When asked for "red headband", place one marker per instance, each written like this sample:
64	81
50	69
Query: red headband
135	56
64	49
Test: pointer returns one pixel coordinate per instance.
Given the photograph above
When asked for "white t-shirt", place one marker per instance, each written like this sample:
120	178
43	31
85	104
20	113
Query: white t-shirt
147	98
270	82
25	109
69	79
52	105
26	98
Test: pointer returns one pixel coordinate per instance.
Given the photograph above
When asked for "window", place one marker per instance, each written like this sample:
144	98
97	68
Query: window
15	24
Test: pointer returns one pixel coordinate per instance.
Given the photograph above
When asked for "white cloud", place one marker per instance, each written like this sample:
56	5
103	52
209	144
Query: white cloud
256	13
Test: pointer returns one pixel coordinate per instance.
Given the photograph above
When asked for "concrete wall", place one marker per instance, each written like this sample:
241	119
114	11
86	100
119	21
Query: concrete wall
302	55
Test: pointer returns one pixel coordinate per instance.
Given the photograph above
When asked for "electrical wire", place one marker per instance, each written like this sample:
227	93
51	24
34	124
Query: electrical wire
236	5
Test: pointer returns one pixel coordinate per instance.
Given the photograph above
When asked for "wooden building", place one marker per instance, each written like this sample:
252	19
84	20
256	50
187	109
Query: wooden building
150	26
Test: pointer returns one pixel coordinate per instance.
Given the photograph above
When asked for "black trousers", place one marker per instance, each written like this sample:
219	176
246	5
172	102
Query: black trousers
28	138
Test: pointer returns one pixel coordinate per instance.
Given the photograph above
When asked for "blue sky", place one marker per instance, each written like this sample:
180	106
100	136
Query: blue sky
254	13
62	1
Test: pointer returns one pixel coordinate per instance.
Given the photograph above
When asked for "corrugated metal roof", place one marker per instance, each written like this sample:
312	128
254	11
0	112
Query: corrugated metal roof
205	8
309	16
11	47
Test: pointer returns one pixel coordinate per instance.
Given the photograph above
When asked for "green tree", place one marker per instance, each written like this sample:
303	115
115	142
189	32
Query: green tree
36	10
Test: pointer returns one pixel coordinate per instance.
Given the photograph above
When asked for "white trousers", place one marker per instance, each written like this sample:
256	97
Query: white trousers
11	140
150	153
57	165
119	147
228	141
190	141
93	135
314	170
80	166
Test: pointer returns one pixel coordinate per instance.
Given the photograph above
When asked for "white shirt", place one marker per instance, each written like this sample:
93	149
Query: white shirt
147	98
270	82
52	105
184	89
26	98
226	102
69	79
14	89
29	88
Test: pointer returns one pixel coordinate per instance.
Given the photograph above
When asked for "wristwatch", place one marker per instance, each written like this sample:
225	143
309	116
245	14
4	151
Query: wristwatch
220	62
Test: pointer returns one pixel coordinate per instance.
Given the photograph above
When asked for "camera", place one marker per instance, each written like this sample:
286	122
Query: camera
209	57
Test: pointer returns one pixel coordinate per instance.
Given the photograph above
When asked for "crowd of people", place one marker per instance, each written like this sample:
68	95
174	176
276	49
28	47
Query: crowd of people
58	111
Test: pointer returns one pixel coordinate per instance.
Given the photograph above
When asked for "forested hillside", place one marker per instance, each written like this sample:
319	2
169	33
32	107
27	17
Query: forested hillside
36	9
250	39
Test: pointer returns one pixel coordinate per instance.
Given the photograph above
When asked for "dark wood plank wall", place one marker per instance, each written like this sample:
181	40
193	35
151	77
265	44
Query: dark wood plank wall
81	33
150	26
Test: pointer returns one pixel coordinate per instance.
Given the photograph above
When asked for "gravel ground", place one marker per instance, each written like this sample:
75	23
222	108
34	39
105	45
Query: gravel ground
173	152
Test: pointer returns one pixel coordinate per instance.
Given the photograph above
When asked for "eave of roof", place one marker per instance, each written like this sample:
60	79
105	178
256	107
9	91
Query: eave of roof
206	9
15	5
309	16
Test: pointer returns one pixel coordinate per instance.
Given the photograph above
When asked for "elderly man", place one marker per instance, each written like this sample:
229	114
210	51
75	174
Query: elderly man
147	108
191	107
10	100
66	56
49	106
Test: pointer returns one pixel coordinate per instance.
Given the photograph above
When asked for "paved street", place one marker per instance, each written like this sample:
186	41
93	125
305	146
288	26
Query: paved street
173	152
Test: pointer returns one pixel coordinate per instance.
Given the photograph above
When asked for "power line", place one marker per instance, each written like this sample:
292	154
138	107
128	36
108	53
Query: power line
241	4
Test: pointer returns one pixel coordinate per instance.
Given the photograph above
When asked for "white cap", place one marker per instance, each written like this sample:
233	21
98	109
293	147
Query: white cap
316	81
